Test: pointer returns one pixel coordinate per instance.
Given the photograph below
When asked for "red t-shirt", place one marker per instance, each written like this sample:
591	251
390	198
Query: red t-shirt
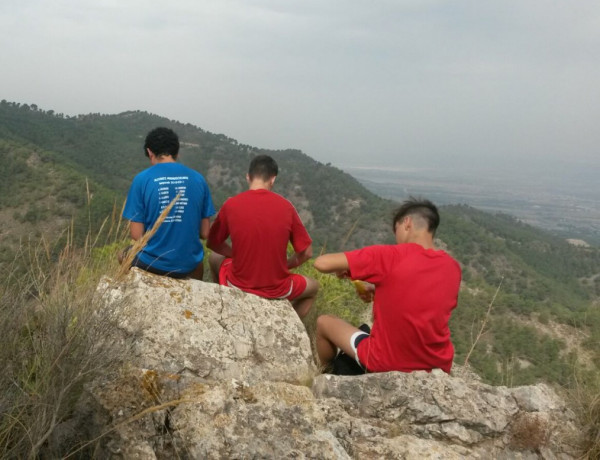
416	289
260	224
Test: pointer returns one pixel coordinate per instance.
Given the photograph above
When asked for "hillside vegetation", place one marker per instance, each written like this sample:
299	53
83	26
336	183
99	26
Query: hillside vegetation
108	149
546	318
544	323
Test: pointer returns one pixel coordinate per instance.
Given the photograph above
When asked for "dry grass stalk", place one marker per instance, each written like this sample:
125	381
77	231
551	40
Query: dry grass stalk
119	219
585	397
482	330
592	429
349	234
141	243
114	232
95	242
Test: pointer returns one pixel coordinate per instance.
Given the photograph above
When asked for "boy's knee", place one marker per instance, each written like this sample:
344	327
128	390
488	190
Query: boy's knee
323	321
312	286
214	261
214	257
198	273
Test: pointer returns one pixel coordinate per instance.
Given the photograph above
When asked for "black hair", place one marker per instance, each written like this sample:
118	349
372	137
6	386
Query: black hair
420	207
162	141
263	166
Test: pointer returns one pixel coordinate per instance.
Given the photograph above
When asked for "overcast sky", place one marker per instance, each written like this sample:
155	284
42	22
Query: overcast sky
384	83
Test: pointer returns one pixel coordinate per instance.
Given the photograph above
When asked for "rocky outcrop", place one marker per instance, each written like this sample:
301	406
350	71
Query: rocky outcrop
217	373
203	330
448	416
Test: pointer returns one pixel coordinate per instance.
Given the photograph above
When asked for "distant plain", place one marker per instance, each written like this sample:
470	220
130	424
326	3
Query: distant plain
562	200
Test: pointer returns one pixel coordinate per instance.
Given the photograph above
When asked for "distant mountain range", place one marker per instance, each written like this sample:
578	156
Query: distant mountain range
57	170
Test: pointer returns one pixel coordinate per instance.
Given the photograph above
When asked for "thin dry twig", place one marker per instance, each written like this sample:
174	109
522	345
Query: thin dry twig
347	237
483	324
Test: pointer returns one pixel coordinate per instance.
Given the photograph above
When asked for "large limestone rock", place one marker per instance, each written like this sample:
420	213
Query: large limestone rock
217	373
450	416
193	329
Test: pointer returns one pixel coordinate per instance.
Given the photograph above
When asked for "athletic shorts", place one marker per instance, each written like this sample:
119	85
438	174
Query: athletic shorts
297	283
355	339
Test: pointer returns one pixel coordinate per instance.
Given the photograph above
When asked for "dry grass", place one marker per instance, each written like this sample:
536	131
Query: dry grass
530	431
585	398
55	337
57	333
591	444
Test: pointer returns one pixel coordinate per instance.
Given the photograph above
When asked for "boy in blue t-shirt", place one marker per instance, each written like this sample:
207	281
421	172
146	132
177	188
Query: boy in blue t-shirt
175	249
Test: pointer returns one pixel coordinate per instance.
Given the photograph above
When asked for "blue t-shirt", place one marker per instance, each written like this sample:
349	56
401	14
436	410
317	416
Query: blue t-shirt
176	245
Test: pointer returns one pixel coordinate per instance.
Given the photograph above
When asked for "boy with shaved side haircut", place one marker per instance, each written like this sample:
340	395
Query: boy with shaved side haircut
260	224
414	288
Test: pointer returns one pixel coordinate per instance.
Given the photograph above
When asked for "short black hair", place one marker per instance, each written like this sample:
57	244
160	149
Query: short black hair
421	207
162	141
263	166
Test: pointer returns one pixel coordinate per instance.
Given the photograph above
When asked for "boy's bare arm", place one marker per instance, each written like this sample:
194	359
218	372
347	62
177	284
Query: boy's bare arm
220	248
204	228
136	230
333	263
298	258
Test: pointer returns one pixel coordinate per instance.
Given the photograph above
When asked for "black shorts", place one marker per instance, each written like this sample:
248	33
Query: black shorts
136	262
149	268
344	364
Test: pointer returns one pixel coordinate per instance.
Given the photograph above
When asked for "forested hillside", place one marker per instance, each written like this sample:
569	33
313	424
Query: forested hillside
546	317
59	170
108	149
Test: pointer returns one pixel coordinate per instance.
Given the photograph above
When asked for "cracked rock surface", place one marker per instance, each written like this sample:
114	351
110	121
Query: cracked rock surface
210	331
217	373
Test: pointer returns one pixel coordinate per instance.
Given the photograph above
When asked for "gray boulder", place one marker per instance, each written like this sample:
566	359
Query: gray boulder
447	416
194	329
217	373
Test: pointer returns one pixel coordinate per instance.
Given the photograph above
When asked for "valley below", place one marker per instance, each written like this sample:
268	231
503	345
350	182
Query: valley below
566	203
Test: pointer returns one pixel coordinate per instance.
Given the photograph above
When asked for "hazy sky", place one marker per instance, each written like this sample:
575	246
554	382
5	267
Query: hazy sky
387	83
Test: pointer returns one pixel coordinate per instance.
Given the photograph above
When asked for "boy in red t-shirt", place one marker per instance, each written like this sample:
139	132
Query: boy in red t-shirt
414	288
260	224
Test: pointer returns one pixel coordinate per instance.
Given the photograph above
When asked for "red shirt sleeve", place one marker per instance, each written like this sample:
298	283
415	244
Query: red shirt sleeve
300	238
371	264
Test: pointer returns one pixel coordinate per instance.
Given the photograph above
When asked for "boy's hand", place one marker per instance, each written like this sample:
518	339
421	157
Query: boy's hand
365	290
342	274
